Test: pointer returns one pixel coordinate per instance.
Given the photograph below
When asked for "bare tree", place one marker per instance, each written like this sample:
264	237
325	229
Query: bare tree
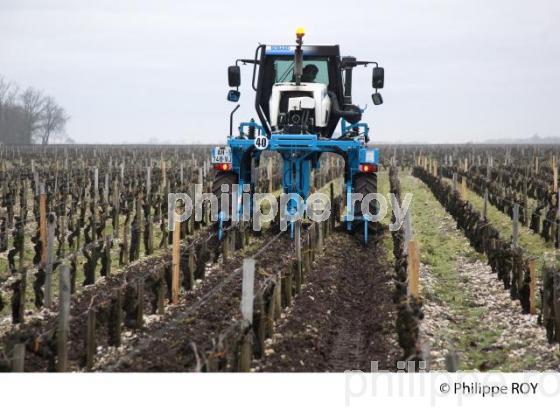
32	103
11	96
53	120
28	117
11	115
8	94
4	89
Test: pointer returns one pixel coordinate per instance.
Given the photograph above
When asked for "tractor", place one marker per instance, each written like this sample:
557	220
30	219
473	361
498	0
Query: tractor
302	93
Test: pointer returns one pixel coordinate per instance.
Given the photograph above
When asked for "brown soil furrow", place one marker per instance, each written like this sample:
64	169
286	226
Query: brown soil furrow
344	316
168	344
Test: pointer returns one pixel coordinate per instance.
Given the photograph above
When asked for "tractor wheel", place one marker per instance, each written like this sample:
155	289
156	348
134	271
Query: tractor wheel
365	184
224	178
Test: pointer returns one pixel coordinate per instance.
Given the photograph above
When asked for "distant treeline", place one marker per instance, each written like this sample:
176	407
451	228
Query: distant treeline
29	116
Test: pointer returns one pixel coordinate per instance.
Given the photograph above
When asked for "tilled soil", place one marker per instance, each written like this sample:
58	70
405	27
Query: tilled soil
44	323
344	317
187	333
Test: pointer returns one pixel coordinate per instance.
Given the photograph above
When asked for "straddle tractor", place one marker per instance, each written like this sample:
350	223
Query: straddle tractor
302	93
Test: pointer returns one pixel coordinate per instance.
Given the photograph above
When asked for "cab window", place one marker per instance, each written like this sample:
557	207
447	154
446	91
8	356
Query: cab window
315	71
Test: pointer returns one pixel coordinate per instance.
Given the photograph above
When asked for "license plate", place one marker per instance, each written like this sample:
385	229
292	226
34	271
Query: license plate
221	155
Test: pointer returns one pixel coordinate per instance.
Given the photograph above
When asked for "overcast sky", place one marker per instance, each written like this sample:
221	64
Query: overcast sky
456	71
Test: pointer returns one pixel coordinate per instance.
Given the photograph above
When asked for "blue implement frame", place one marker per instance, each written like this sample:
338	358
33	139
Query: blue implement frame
300	154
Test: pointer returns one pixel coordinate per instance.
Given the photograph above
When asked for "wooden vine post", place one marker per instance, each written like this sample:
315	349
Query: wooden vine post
248	289
163	172
526	198
413	267
148	182
176	262
63	319
556	304
558	214
532	286
247	303
18	358
485	206
299	268
51	227
94	216
43	224
116	206
413	255
554	174
181	176
536	165
90	339
515	227
269	175
140	306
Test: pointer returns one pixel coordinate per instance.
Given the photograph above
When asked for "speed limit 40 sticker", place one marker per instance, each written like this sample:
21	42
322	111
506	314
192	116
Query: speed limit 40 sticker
261	142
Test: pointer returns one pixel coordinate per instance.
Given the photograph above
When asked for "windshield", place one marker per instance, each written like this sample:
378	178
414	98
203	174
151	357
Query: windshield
314	71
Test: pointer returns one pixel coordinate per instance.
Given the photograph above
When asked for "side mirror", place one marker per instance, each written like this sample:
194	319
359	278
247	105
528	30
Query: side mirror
378	77
234	76
233	95
377	99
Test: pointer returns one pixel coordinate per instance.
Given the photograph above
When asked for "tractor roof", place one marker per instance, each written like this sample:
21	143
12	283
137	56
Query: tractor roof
308	50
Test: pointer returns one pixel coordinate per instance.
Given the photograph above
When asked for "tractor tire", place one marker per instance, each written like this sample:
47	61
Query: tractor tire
224	178
365	184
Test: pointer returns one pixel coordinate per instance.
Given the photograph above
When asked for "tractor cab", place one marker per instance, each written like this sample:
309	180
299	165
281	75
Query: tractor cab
305	107
309	99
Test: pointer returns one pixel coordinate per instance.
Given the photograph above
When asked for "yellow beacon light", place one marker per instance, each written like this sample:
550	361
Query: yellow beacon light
300	32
